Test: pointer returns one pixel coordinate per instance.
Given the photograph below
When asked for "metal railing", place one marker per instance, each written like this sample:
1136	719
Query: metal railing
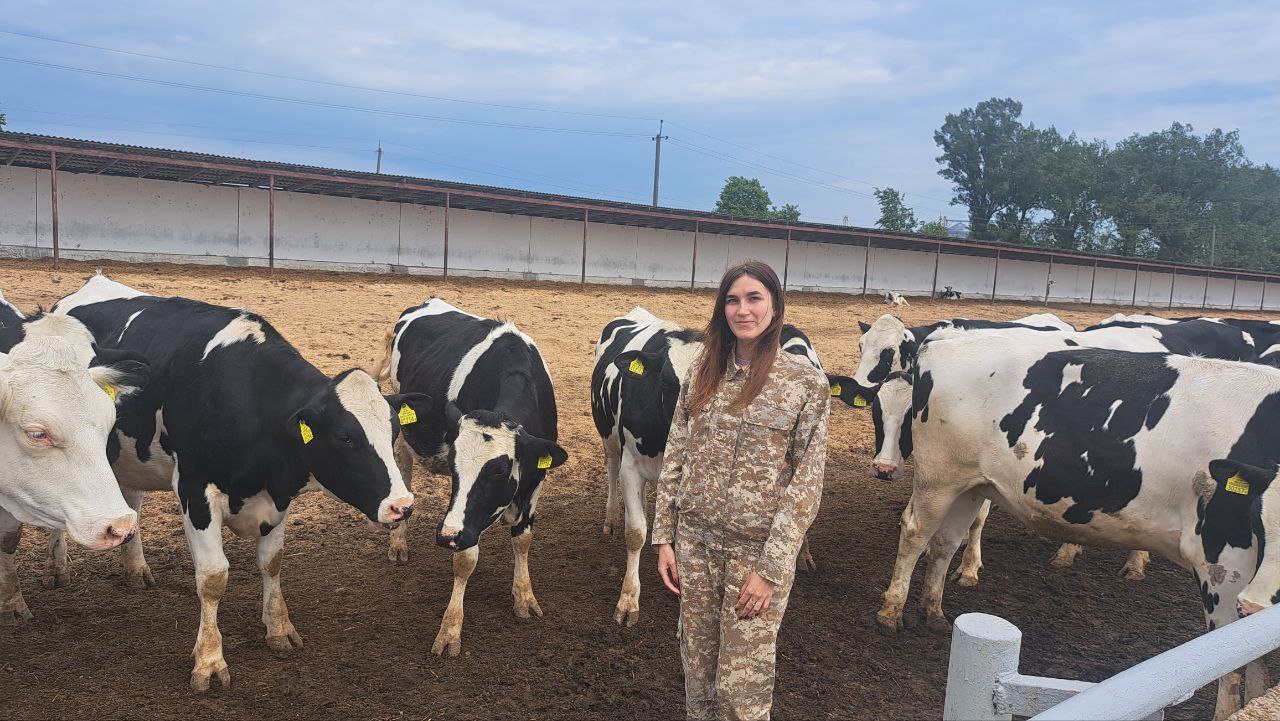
983	682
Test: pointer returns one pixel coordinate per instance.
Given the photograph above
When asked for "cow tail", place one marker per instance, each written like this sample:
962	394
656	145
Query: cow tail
381	370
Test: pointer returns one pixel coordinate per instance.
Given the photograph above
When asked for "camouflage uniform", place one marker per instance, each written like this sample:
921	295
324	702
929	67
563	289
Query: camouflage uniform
737	493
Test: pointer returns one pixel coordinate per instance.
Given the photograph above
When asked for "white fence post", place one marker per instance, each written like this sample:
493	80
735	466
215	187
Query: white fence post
983	648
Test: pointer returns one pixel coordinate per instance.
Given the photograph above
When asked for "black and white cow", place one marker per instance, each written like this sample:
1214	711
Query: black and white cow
641	362
238	423
490	426
55	419
1207	337
1099	447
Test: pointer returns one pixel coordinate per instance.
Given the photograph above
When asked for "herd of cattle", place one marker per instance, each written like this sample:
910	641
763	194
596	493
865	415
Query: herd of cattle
1140	432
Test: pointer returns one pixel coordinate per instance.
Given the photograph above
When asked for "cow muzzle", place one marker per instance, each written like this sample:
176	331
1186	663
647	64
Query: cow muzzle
454	539
1247	608
883	471
396	510
117	532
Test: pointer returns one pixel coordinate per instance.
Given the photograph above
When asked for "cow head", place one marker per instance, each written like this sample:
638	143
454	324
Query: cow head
491	460
653	376
1251	492
346	433
55	418
884	347
892	418
849	391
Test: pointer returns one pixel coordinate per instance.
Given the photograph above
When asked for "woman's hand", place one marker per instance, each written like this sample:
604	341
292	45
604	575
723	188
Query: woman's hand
667	569
755	597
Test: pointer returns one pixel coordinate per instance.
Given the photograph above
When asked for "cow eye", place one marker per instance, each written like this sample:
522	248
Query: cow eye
39	436
346	439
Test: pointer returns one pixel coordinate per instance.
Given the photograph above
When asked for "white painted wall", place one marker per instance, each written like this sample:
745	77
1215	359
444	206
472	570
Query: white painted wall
133	219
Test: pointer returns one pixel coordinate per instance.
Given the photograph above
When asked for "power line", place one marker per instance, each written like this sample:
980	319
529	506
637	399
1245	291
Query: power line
321	104
313	81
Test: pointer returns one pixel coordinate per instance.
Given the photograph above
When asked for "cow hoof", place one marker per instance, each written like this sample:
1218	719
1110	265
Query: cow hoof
528	607
398	554
888	625
807	564
938	624
285	643
447	644
202	677
140	578
965	580
607	530
56	580
626	616
13	617
1133	574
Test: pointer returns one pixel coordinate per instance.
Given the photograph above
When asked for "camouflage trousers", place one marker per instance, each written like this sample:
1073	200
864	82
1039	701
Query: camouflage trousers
728	662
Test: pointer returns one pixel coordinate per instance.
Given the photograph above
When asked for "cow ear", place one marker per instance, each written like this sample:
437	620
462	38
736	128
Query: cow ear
452	421
864	326
120	378
1240	478
303	425
539	453
848	390
638	363
410	408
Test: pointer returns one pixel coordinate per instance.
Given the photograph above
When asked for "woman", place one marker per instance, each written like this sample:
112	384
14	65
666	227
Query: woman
740	485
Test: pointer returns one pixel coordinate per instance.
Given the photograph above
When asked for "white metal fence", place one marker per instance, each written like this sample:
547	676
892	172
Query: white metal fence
983	682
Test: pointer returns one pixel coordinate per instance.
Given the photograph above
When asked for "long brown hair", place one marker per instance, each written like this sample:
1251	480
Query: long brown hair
719	341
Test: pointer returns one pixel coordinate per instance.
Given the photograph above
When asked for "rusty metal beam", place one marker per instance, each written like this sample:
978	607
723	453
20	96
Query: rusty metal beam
13	156
786	261
586	221
1093	281
106	166
693	273
447	198
271	224
53	189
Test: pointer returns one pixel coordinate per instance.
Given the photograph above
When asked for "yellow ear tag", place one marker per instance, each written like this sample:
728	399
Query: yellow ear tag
1236	484
859	402
307	435
110	391
637	366
407	415
544	461
835	390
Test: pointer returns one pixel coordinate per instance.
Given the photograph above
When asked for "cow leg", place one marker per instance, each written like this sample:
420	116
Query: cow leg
57	570
1218	592
450	636
1256	682
967	574
136	570
632	486
613	502
942	548
211	582
1066	555
804	560
1135	566
521	586
13	608
398	550
282	637
921	518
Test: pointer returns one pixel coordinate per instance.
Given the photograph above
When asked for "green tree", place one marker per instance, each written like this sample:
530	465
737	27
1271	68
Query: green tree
746	197
1069	191
935	228
977	145
1	121
894	213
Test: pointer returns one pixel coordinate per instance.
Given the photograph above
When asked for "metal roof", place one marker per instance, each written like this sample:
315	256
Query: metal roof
93	157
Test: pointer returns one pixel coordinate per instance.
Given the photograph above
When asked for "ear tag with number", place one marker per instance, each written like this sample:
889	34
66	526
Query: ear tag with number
305	429
544	461
1237	484
407	415
859	402
637	366
110	391
835	390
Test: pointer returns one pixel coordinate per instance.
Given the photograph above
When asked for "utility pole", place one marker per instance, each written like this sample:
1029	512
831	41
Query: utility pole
657	161
378	169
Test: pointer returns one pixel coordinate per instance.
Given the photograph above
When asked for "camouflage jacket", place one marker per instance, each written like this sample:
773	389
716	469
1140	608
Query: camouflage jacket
750	478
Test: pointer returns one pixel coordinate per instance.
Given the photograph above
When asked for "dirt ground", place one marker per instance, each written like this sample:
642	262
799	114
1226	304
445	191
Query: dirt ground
100	649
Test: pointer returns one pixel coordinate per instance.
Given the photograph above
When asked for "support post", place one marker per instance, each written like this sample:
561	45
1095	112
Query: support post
1173	283
1093	281
586	220
995	276
271	224
1048	282
1263	304
53	189
1204	302
937	256
693	273
983	648
786	261
447	199
866	263
1137	269
1234	282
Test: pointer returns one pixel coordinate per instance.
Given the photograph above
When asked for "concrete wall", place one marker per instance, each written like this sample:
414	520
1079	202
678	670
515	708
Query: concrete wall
136	219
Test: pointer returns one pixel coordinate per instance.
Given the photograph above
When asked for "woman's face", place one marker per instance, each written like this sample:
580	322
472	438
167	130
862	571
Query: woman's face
748	308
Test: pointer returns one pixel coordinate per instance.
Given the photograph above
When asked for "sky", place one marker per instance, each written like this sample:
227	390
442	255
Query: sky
822	101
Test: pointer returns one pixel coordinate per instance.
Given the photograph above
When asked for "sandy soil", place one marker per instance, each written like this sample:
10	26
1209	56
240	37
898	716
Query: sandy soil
100	649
